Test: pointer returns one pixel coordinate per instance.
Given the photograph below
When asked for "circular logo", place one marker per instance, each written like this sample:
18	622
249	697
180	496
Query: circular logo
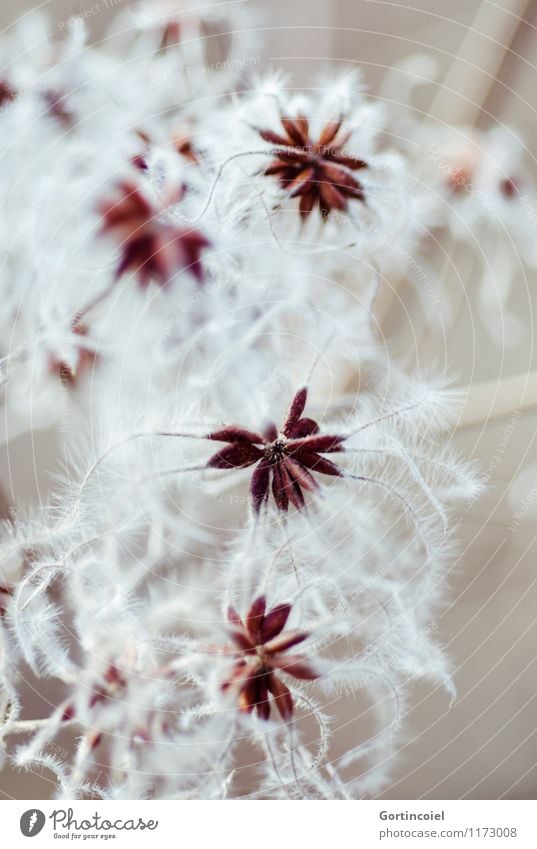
32	822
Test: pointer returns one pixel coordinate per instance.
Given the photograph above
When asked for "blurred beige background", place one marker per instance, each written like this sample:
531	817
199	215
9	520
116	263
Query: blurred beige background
486	745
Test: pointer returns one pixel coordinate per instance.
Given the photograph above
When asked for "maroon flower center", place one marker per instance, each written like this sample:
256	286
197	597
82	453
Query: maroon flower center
276	451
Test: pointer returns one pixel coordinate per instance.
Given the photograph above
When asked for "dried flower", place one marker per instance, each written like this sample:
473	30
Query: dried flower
7	93
317	172
286	456
171	35
83	360
152	248
109	591
5	595
57	108
260	653
509	187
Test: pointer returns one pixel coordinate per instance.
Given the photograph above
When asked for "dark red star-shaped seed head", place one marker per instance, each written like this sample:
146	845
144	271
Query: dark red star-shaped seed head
318	172
260	650
84	360
151	247
285	458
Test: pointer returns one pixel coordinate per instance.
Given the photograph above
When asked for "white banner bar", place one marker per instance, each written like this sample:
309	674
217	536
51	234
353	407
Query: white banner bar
270	825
